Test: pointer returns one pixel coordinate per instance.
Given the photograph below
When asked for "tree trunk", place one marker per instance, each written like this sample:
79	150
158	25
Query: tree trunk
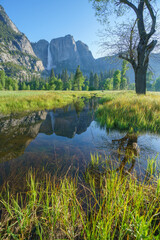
140	79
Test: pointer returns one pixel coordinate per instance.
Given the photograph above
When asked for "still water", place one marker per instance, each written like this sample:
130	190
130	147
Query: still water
57	141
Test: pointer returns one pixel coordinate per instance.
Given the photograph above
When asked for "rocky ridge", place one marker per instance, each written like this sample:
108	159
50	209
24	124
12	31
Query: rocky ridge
65	52
16	53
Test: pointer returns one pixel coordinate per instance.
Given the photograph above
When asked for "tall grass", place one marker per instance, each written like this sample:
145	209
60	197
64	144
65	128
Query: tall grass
117	208
131	112
20	101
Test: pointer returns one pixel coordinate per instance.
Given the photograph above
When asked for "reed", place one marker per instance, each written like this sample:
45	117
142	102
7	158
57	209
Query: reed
118	207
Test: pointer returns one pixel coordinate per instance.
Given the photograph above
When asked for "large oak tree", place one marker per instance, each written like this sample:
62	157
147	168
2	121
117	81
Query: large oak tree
140	41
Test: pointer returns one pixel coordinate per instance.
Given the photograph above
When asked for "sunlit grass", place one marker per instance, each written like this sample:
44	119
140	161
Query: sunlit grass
21	101
131	112
120	207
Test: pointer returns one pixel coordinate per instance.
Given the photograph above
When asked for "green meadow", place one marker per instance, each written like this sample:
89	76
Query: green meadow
22	101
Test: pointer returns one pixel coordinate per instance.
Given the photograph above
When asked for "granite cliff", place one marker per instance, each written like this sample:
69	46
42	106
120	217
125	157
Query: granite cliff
16	54
65	52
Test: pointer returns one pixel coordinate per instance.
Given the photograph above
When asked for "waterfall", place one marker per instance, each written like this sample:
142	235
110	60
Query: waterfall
50	62
52	120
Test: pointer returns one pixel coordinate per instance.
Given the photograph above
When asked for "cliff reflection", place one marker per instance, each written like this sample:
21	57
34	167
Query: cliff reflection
17	132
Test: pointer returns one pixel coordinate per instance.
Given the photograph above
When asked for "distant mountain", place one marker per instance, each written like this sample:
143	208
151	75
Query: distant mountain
64	52
16	54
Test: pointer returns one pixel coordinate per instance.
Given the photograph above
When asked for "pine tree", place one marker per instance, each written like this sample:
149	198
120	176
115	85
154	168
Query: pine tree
78	80
65	78
91	81
2	79
52	75
96	81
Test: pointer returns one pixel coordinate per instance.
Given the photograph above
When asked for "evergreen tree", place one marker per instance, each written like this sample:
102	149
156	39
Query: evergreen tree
86	84
1	88
116	80
2	79
96	81
65	79
52	80
15	86
37	84
101	81
24	87
52	75
91	81
78	80
28	87
58	84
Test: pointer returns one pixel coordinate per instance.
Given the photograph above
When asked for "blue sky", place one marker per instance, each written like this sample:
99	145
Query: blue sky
48	19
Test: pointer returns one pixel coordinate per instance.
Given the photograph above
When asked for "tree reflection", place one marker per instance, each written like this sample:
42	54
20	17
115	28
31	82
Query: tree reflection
128	147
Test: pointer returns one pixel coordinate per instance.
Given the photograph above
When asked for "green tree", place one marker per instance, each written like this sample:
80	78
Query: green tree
91	81
2	79
78	80
96	81
149	80
116	80
108	85
10	88
125	67
1	88
52	75
86	84
133	39
8	83
24	87
15	86
157	84
37	84
52	80
101	81
65	79
58	84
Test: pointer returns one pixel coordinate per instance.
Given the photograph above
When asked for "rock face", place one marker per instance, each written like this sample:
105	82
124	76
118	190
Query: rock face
63	53
15	49
41	50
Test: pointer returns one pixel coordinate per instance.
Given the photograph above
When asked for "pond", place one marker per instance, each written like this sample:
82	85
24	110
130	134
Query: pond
60	141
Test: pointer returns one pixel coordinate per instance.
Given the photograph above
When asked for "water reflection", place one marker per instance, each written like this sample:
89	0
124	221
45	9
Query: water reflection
41	140
17	132
52	141
128	151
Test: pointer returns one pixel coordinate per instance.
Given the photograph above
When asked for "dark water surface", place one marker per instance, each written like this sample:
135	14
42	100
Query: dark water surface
52	141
